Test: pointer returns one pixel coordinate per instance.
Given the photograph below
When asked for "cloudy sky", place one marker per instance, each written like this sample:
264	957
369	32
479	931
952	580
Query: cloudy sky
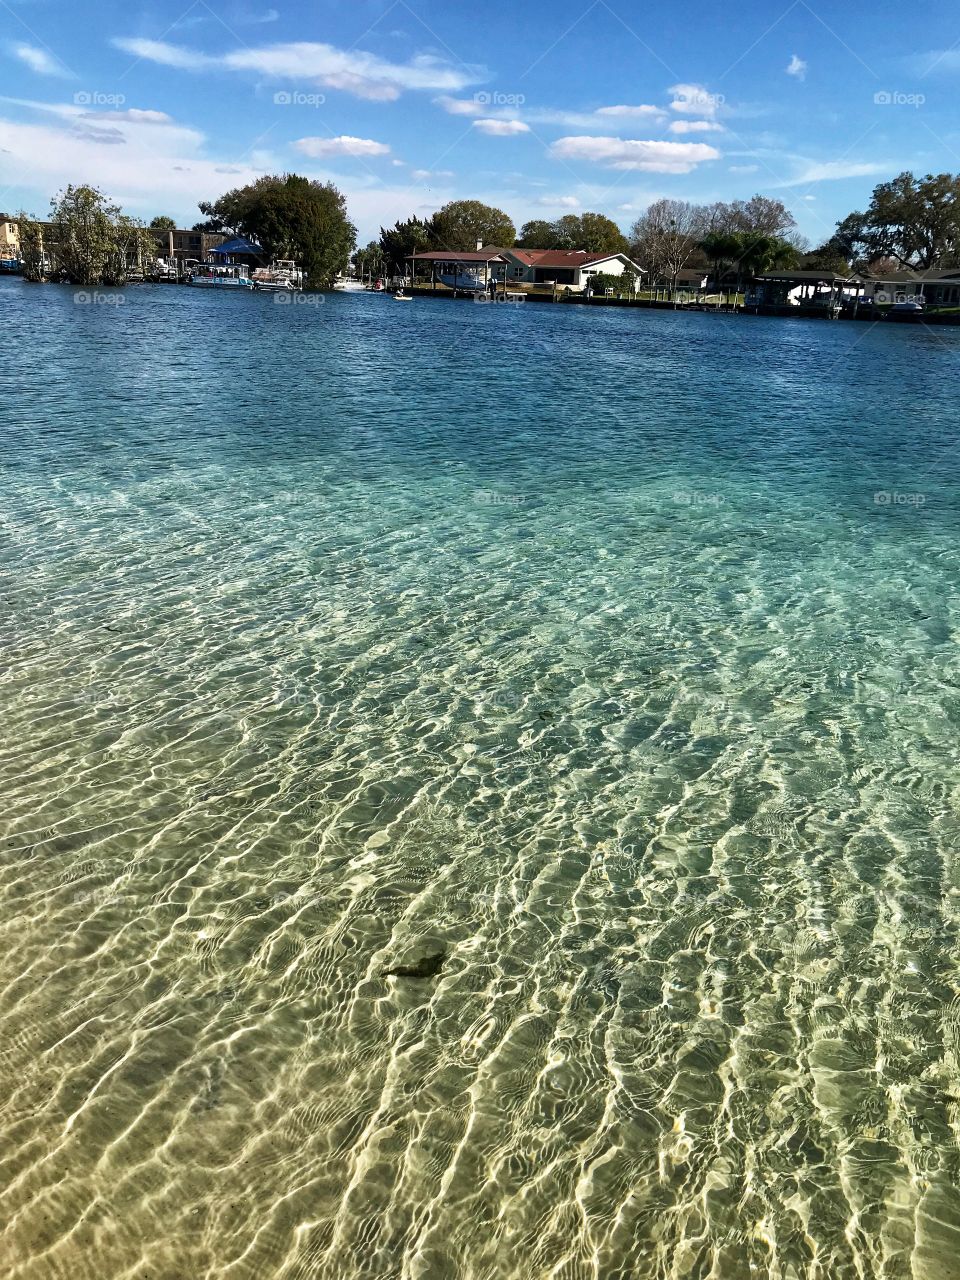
539	108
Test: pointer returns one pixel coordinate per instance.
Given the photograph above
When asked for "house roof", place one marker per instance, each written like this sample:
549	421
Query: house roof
454	255
559	257
529	257
911	277
805	277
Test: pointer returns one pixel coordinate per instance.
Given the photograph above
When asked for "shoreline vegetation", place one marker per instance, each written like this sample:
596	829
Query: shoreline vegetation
678	254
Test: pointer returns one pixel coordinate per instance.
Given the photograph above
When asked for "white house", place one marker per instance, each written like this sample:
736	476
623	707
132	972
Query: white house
566	268
934	288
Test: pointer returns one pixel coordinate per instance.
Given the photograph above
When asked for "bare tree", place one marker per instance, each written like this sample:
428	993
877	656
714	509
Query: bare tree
667	236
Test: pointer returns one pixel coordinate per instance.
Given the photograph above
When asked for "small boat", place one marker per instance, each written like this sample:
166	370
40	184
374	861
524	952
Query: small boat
214	276
9	266
400	296
283	277
346	284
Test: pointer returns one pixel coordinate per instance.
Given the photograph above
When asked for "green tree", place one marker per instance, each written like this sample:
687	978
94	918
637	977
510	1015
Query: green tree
398	242
291	217
722	249
916	221
566	232
91	241
369	262
760	253
825	257
462	224
594	232
600	234
31	247
537	234
81	238
162	223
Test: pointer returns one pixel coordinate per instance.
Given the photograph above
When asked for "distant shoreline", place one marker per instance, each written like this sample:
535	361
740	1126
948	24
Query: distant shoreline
866	315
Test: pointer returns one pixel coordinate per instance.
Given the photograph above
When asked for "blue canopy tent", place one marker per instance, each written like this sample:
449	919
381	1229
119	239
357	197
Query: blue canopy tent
238	248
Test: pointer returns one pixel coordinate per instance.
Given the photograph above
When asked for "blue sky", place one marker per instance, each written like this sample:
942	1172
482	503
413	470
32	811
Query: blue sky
541	109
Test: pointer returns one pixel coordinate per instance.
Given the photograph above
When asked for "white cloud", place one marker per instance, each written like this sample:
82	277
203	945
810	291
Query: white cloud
501	128
131	124
744	168
559	202
695	100
342	146
603	117
362	74
421	175
160	166
634	112
460	106
167	55
696	126
45	64
796	67
832	170
619	153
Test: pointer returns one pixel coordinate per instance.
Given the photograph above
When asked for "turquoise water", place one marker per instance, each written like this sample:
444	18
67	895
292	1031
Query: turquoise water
596	670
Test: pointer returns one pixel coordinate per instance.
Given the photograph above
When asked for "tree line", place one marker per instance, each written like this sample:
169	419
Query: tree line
910	223
87	240
90	240
756	234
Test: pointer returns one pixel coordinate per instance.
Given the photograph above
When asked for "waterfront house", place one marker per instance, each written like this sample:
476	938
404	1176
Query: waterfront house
689	280
185	246
549	268
566	268
9	241
935	288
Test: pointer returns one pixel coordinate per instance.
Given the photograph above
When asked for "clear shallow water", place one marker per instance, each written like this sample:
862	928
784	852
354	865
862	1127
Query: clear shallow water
575	648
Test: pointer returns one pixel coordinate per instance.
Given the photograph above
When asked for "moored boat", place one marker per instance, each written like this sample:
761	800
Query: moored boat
283	277
212	276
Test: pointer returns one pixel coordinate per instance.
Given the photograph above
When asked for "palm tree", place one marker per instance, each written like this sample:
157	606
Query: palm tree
722	248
